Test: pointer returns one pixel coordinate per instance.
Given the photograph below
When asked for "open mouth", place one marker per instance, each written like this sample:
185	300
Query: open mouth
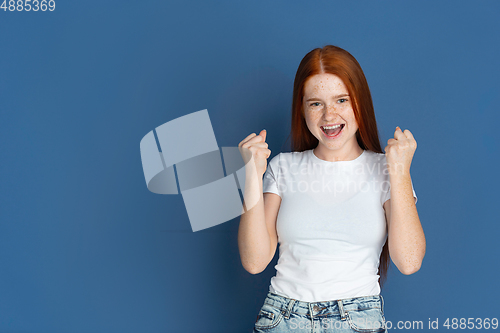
332	131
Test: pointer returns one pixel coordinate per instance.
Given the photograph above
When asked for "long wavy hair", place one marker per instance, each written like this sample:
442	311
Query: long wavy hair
334	60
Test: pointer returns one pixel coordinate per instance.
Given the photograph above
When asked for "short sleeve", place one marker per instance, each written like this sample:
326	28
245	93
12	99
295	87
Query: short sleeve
387	194
271	176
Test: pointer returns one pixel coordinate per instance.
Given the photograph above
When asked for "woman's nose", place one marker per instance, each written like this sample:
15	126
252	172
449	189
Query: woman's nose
330	111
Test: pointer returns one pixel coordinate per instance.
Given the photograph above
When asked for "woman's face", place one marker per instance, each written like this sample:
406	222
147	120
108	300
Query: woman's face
327	102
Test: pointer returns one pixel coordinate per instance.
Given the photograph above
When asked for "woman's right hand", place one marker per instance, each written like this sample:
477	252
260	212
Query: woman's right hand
258	146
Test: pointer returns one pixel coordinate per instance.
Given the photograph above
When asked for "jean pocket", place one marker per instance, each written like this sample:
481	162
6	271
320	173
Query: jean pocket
268	317
368	320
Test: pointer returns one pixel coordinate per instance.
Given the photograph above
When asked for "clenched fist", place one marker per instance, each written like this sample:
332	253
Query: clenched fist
399	152
258	147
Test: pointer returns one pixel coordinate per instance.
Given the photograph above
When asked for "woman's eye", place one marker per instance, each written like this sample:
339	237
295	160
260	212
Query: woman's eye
313	104
342	100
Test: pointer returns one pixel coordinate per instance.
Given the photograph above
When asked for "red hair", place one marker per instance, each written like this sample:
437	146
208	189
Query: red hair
334	60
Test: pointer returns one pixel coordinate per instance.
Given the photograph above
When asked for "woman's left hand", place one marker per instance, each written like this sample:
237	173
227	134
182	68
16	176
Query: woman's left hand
399	152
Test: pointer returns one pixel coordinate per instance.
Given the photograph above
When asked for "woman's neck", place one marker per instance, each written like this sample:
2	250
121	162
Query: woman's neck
342	154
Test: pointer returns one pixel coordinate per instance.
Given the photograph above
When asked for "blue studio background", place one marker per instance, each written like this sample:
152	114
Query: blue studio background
85	247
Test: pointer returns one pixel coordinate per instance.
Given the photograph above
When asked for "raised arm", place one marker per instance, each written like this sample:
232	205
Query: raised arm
405	234
257	236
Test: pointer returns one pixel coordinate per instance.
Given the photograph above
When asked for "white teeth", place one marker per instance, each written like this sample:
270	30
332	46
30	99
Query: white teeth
331	127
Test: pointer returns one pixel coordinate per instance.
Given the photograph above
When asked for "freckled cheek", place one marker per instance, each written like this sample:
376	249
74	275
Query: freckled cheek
313	116
312	121
350	118
346	112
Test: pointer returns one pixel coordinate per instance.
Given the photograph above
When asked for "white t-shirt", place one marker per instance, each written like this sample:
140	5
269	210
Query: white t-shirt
331	224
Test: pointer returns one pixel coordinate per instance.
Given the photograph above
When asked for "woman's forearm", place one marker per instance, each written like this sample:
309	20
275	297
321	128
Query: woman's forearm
253	237
405	234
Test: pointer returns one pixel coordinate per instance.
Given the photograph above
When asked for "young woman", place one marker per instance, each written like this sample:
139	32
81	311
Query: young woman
338	206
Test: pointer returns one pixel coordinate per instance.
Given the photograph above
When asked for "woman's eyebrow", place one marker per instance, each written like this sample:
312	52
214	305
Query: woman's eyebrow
334	97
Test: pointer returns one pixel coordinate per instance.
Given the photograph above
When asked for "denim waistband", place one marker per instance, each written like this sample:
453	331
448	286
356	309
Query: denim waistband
324	308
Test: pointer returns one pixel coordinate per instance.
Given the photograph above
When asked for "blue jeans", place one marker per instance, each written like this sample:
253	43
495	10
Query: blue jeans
359	314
